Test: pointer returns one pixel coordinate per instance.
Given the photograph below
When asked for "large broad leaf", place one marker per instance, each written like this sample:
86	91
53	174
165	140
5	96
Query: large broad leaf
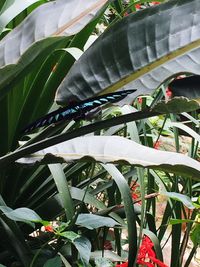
144	48
115	149
52	19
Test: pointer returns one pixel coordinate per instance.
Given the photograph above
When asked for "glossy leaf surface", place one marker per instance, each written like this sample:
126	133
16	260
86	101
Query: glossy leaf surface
143	49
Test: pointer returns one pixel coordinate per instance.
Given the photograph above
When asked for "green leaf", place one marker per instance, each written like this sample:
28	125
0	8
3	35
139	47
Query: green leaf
187	130
102	262
180	197
195	234
177	221
70	235
107	149
11	9
83	246
141	51
63	189
92	221
176	105
21	214
128	207
55	262
31	40
108	254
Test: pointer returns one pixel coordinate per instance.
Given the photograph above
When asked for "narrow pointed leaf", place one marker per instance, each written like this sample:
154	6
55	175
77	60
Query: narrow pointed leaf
180	197
143	49
115	149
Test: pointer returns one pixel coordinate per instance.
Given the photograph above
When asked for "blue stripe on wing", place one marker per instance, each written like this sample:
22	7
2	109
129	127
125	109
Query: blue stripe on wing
77	110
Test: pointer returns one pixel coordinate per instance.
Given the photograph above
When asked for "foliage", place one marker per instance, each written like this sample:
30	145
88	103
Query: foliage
72	206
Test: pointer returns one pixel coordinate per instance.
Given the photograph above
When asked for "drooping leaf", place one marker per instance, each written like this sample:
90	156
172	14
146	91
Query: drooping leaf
176	105
83	246
115	149
92	221
180	197
187	129
143	49
30	37
25	215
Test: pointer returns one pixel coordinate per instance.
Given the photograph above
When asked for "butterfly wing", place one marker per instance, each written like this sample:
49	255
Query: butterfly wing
76	111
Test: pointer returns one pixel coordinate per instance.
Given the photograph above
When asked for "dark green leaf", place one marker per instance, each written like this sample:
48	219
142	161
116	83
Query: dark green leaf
70	235
55	262
143	49
176	105
92	221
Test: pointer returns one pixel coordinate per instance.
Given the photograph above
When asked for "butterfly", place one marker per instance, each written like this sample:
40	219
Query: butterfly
78	110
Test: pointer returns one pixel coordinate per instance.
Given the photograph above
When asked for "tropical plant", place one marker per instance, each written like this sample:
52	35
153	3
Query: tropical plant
144	50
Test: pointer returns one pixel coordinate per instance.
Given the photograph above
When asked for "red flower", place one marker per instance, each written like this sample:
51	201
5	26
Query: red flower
48	228
134	192
157	144
146	255
168	92
140	100
138	6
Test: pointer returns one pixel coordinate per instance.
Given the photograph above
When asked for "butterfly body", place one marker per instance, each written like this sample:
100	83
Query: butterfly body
77	110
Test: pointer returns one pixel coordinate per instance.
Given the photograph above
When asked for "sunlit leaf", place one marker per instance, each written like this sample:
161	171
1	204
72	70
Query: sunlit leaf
115	149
